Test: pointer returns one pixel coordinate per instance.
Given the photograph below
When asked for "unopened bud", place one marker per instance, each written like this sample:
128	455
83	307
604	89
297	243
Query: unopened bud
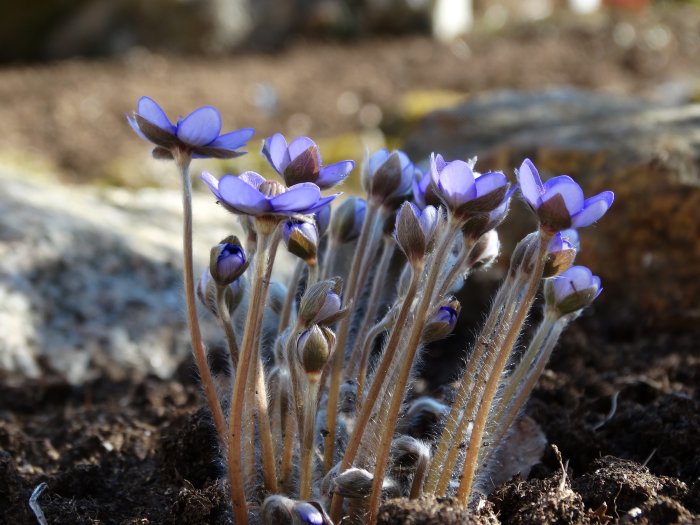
353	483
572	290
443	322
387	177
276	510
560	255
347	219
422	417
313	349
485	250
322	303
523	252
309	513
415	229
407	452
301	239
227	261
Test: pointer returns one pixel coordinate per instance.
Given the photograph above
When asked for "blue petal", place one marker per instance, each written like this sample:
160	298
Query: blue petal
234	139
299	145
378	158
593	209
242	196
489	182
201	127
568	189
212	182
297	198
530	183
326	200
457	182
251	178
153	113
275	151
135	127
334	173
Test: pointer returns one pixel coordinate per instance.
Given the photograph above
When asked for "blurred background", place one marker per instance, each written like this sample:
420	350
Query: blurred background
604	90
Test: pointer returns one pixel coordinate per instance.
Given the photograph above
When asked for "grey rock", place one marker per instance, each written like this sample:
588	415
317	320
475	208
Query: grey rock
647	248
94	275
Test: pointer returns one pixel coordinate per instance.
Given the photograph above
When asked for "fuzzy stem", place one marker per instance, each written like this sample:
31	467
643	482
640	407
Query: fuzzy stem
377	329
329	258
548	341
286	466
225	320
372	303
291	295
313	273
419	476
306	453
442	463
458	267
200	357
247	357
343	329
475	440
368	406
410	352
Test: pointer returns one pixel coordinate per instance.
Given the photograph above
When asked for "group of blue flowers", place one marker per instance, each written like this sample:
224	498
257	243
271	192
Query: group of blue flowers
444	222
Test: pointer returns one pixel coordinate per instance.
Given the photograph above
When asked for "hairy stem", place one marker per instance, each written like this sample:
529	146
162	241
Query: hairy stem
225	320
307	443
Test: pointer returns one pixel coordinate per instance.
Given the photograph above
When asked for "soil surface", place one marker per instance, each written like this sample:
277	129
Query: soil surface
623	409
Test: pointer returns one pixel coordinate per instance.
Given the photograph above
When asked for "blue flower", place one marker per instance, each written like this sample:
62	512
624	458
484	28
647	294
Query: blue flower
465	192
559	203
197	133
300	161
251	194
423	193
573	290
227	261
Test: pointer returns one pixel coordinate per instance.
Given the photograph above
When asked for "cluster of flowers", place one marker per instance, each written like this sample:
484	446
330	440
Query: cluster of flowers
317	421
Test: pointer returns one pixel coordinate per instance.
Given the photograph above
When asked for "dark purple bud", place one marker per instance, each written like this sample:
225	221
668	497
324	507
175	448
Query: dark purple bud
388	178
346	222
314	346
301	239
572	290
227	261
322	303
415	229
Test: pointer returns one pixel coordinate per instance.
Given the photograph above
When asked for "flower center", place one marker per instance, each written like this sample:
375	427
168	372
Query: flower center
271	188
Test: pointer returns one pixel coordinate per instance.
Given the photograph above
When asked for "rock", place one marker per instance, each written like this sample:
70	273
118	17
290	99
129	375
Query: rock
647	248
94	275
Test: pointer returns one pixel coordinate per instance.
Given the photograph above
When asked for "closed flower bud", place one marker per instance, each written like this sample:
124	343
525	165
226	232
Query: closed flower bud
309	513
227	261
313	349
276	510
422	417
322	303
443	322
560	255
485	250
388	177
572	290
523	253
347	219
353	483
415	230
407	451
301	239
423	192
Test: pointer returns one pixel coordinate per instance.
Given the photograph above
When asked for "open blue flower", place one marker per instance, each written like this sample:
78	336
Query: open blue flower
559	203
251	194
197	133
300	161
464	191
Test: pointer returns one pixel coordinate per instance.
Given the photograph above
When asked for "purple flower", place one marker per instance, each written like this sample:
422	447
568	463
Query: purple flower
197	133
301	162
561	253
388	177
479	224
442	322
251	194
559	203
322	216
465	192
322	303
423	193
573	290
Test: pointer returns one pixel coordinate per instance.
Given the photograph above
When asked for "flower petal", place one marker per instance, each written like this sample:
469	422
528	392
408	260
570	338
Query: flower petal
240	195
530	183
377	159
568	189
593	209
135	127
152	112
211	181
299	145
488	182
297	198
334	173
574	279
457	182
233	140
252	178
201	127
323	202
274	149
